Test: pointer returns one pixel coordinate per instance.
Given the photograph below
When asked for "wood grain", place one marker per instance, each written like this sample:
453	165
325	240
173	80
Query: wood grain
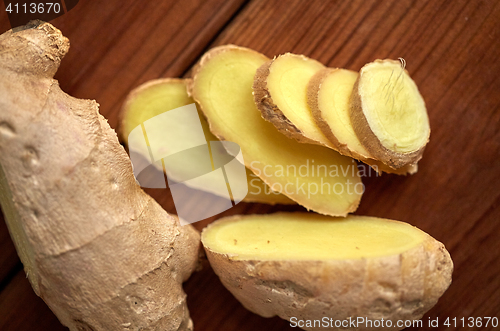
22	310
452	50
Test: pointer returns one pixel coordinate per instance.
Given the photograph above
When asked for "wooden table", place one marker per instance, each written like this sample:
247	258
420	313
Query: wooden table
452	50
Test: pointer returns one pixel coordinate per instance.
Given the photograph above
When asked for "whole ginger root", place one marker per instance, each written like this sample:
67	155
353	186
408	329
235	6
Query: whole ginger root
98	250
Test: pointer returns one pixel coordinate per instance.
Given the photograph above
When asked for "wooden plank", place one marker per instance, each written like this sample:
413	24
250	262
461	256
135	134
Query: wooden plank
123	44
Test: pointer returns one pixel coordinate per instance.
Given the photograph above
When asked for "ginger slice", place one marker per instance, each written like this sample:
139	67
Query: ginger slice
309	265
280	92
328	92
314	176
328	95
388	114
309	237
158	96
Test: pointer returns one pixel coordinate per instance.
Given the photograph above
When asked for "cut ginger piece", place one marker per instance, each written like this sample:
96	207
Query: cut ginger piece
161	95
328	94
280	92
309	265
316	177
388	114
309	236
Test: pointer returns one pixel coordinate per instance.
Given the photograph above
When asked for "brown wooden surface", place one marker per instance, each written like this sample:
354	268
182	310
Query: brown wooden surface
452	49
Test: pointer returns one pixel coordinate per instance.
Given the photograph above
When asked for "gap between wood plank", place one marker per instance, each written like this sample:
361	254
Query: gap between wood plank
210	42
9	276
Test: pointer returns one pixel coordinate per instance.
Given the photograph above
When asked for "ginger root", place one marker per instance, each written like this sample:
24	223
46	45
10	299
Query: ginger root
99	251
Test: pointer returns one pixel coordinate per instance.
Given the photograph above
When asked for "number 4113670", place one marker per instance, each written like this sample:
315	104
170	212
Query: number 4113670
34	8
471	322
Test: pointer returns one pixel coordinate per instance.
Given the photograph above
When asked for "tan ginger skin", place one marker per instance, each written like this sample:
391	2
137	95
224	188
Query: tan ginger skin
98	250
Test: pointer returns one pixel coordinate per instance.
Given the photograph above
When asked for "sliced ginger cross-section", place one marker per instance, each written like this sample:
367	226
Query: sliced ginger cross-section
280	88
306	101
328	94
297	236
161	95
222	85
388	114
309	265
